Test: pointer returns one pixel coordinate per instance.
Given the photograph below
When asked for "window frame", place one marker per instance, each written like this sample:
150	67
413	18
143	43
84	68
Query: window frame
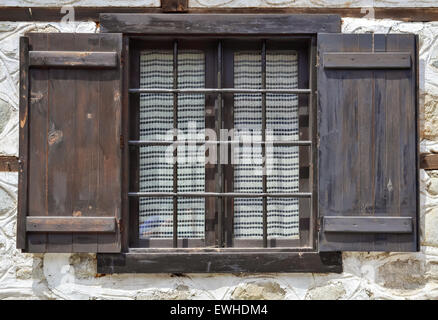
206	259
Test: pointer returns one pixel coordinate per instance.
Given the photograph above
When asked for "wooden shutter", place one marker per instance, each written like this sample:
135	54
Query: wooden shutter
70	126
368	140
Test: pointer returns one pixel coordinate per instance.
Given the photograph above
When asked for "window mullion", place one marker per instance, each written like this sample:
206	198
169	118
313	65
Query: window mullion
220	178
175	152
265	205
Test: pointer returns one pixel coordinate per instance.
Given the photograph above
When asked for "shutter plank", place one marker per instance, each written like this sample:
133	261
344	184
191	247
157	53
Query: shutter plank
38	105
365	138
86	157
367	156
24	143
61	143
109	187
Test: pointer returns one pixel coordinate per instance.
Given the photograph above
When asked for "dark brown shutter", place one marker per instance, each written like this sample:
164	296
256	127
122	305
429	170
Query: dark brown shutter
70	119
368	157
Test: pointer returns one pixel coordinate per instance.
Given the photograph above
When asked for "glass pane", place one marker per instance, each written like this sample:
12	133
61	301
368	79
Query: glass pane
282	162
282	169
281	109
156	218
156	162
191	218
156	110
248	170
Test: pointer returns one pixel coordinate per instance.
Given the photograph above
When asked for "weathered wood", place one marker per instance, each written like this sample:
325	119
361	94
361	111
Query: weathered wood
219	262
125	220
429	161
218	24
174	5
368	224
70	224
38	177
73	59
24	143
74	166
49	14
109	167
368	144
9	164
367	60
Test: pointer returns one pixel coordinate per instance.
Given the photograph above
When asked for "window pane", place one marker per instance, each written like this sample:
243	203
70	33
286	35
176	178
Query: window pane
282	162
156	162
156	110
281	109
282	169
248	212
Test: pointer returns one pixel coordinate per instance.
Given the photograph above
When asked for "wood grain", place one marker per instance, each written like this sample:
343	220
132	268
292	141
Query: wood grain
219	262
219	24
365	60
24	143
50	14
174	5
429	161
75	155
368	143
368	224
70	224
73	59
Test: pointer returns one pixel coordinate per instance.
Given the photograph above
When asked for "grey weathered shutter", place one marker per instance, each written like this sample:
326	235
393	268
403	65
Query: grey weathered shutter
70	119
368	140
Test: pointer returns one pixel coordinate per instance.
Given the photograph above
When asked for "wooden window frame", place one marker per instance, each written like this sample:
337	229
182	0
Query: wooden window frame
137	259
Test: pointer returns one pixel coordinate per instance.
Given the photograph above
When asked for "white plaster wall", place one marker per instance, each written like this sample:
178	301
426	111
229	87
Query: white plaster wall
365	276
311	3
227	3
81	3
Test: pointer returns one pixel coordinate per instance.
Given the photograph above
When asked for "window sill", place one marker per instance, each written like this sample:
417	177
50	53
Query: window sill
198	261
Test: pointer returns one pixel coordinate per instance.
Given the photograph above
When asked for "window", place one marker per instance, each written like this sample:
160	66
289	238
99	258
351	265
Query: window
104	116
208	112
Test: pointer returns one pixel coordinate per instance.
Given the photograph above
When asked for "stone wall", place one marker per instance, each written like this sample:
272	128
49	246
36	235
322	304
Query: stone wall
365	276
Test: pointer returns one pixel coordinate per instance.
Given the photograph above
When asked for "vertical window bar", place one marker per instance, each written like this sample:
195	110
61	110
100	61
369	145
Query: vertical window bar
175	152
313	137
220	178
265	200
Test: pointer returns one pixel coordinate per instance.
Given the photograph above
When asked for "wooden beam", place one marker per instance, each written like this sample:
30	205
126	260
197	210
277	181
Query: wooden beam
219	262
174	5
70	224
218	24
370	224
72	59
381	60
429	161
50	14
9	164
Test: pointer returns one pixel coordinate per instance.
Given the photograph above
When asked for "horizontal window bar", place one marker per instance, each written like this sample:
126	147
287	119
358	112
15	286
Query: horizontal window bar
185	142
218	194
219	90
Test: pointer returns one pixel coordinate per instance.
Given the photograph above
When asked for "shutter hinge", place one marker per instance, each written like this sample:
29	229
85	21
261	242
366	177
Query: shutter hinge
120	225
122	142
318	225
